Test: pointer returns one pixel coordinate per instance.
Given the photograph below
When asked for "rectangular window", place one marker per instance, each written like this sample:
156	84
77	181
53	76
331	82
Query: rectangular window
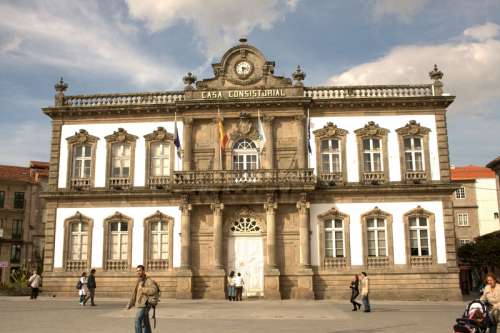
377	237
460	193
159	241
2	198
334	238
120	160
15	253
19	200
414	154
160	159
372	155
17	232
330	155
419	236
118	241
462	219
79	241
82	159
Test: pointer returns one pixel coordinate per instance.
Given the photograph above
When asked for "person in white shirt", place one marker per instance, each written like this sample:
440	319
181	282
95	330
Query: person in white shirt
239	283
35	281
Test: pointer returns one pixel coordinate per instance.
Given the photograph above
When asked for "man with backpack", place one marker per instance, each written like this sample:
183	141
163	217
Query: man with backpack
145	296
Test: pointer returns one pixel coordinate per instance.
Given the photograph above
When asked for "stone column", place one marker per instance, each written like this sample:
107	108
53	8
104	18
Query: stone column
269	148
272	273
217	151
184	274
187	138
304	288
301	143
218	235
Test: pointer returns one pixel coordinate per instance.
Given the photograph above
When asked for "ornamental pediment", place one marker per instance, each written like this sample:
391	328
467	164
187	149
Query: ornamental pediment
82	137
159	134
413	128
121	136
371	129
330	130
332	213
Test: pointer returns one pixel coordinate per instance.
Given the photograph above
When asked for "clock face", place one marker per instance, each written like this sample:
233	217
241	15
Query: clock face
243	68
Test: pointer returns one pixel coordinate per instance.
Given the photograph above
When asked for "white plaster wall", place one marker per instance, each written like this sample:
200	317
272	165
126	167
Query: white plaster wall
486	196
101	130
352	123
396	209
98	215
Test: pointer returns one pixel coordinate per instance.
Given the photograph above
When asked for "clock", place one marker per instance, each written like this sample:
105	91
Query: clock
243	68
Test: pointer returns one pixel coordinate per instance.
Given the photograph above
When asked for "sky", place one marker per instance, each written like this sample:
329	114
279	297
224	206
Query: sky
148	45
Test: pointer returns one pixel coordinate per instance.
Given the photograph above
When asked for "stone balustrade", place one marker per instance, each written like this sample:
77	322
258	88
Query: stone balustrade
379	91
331	177
75	265
80	184
376	177
241	178
421	261
153	98
116	265
335	263
157	265
119	183
159	182
377	262
415	176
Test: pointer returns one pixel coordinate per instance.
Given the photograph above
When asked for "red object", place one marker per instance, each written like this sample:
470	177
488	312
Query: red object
471	172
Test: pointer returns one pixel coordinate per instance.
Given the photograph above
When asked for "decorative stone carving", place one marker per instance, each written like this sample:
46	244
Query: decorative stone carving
330	130
331	214
244	129
371	130
120	136
60	88
188	80
376	213
437	75
413	128
244	216
418	211
159	134
82	137
298	76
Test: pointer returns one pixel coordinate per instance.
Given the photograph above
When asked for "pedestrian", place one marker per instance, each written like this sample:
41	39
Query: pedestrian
238	284
91	285
83	287
144	288
231	288
355	293
35	281
492	295
364	291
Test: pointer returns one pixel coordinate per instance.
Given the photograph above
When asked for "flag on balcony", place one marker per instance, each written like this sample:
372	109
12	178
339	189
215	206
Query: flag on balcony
308	132
262	135
177	141
223	138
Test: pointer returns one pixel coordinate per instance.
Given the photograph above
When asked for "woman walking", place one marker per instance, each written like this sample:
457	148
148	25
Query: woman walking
231	287
492	295
355	293
82	283
239	283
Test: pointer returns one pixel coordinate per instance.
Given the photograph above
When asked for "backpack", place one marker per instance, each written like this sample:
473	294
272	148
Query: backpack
79	284
154	300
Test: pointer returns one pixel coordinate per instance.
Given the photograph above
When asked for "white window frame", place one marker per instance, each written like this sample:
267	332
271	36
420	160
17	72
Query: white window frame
120	234
160	234
463	219
460	193
245	149
120	158
333	245
375	229
331	152
413	151
82	159
164	159
418	228
79	235
372	152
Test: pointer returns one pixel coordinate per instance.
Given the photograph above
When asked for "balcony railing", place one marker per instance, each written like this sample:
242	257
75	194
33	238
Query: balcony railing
117	265
159	182
421	261
153	98
415	176
80	184
335	263
157	265
377	177
76	265
331	178
383	91
377	262
120	183
243	178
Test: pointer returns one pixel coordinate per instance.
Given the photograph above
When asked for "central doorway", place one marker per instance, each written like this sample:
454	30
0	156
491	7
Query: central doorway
246	255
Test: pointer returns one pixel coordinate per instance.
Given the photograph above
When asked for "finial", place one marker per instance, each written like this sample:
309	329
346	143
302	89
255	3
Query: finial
436	74
189	79
61	86
298	76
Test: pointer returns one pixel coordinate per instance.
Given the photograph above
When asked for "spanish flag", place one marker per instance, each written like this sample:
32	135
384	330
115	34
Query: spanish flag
223	138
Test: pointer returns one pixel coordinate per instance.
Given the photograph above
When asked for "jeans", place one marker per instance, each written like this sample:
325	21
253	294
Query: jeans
82	298
90	296
366	303
142	317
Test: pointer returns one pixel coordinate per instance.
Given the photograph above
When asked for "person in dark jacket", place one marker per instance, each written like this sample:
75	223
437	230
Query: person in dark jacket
355	293
91	285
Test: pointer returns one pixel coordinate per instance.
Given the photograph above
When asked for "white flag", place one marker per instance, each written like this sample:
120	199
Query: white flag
262	135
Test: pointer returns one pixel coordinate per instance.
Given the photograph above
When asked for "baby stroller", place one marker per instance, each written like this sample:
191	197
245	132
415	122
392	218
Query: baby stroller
475	318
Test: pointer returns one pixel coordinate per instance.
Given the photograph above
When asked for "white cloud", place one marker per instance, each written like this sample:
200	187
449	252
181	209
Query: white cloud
217	23
79	36
483	32
404	10
27	141
470	69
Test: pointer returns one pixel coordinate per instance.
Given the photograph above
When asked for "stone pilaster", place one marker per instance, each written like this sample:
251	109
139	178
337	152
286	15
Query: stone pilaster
50	234
217	151
184	274
272	273
304	289
269	148
187	138
301	141
218	235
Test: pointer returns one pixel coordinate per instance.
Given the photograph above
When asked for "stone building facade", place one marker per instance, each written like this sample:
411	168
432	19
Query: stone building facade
298	188
22	227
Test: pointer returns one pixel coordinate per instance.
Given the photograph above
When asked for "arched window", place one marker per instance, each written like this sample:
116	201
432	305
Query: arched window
414	150
77	251
334	239
245	155
377	236
121	155
160	159
330	155
245	225
158	242
79	240
118	242
420	237
82	159
120	161
373	153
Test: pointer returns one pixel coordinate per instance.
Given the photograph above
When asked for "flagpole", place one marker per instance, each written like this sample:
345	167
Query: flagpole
220	142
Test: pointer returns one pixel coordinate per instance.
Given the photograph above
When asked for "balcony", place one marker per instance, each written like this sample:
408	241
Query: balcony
157	265
377	262
117	265
80	184
76	265
332	178
421	261
159	182
335	263
415	177
120	183
302	179
373	178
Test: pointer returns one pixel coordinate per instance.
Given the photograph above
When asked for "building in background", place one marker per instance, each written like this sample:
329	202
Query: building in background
22	214
495	166
296	187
